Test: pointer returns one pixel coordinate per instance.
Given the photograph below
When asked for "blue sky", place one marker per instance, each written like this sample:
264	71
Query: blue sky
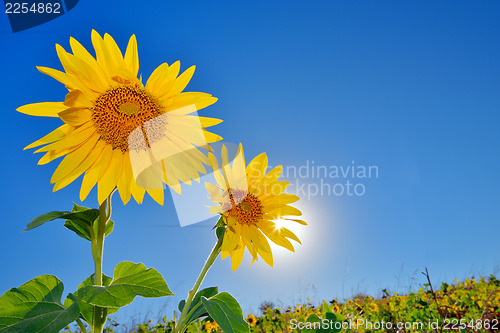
411	88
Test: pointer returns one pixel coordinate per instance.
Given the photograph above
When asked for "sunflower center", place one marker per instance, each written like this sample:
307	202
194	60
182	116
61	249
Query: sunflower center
129	108
120	110
243	206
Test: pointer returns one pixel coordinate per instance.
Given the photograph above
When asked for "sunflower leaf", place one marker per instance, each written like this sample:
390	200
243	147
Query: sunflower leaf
36	307
81	215
327	324
87	310
129	280
80	220
39	220
226	311
196	309
325	308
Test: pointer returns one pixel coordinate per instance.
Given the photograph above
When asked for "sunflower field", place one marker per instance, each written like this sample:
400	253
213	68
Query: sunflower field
472	305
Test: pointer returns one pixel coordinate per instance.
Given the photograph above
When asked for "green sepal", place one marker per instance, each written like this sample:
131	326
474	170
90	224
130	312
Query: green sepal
87	310
226	312
129	280
36	307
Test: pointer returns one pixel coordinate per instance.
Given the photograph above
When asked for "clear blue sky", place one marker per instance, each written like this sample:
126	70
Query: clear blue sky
410	87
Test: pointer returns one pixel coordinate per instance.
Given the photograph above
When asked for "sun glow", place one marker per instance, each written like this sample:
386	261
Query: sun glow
280	223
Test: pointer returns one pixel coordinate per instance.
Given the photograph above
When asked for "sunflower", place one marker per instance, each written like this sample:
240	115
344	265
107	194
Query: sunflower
211	326
119	133
251	320
253	207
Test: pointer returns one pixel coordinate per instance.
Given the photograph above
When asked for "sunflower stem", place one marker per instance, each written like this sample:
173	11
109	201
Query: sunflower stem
210	261
97	253
80	324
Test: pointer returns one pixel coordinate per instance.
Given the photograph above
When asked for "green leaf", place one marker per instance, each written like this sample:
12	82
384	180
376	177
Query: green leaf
325	325
196	309
226	311
325	308
313	319
331	320
81	220
129	280
87	310
39	220
110	225
36	307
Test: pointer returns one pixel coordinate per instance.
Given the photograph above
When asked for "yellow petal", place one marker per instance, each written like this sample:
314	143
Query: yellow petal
74	139
74	159
298	221
266	186
80	52
88	162
81	69
231	238
44	109
237	256
279	200
267	256
164	82
285	211
215	210
55	135
198	99
182	81
239	164
114	51
132	56
274	235
214	192
105	160
103	58
256	170
156	78
217	174
108	182
53	154
137	192
89	180
207	122
75	116
76	98
157	195
125	180
69	81
65	182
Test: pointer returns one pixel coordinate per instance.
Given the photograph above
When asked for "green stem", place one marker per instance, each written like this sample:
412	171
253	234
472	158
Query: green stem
97	252
82	327
210	261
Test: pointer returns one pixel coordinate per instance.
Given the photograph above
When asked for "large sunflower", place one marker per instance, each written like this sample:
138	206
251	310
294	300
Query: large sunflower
116	130
253	207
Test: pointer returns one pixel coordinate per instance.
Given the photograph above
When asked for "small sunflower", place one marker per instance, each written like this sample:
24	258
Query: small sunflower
251	320
253	207
211	326
118	132
373	307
